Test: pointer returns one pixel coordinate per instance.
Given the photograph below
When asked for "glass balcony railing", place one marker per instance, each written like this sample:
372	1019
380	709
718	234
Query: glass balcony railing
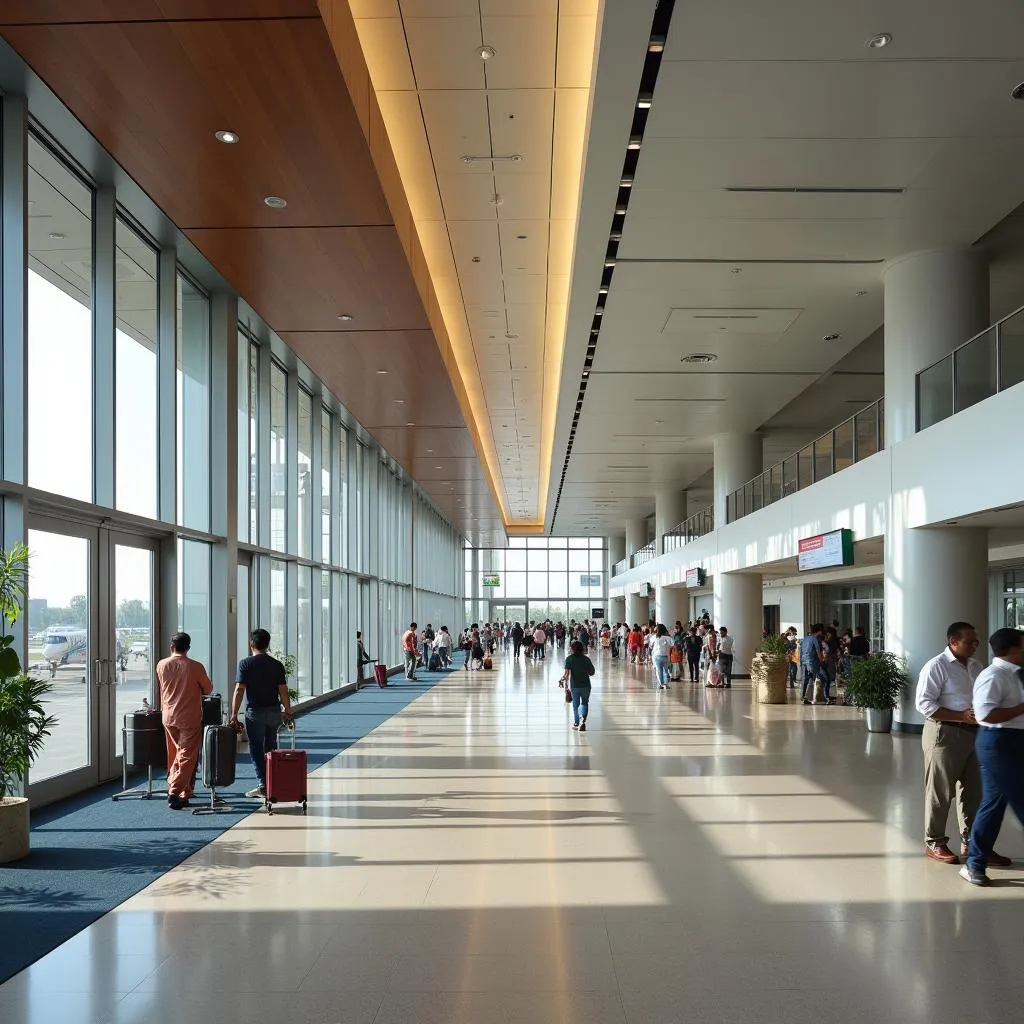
990	362
697	525
853	440
620	567
645	554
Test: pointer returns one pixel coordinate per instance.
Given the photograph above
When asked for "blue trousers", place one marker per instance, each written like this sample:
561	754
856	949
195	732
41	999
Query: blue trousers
580	703
1001	757
261	725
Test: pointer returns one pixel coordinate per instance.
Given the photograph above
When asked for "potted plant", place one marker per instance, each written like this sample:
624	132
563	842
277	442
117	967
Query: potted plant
24	724
769	669
876	683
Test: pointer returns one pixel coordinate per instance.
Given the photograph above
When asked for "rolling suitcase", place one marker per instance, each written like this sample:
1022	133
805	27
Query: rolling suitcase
488	664
380	673
220	747
286	776
435	662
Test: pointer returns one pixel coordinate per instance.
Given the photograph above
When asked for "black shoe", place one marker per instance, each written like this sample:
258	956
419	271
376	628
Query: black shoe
804	700
176	803
583	726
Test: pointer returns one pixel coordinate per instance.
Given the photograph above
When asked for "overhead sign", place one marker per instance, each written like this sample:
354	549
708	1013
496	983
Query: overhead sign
492	579
592	580
645	590
695	577
597	613
826	550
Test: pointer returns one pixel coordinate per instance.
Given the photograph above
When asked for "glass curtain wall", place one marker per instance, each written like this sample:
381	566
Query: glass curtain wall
125	373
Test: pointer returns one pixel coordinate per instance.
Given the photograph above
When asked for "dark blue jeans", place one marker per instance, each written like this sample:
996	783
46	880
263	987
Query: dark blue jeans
580	703
812	672
1001	756
261	725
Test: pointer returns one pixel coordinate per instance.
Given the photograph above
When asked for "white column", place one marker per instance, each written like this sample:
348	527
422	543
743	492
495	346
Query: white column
738	606
616	552
737	460
637	609
636	535
671	604
934	301
669	511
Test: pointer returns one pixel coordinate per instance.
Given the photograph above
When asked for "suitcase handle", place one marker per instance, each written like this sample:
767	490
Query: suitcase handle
291	729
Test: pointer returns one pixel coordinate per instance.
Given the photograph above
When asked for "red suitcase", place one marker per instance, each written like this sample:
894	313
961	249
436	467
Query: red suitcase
380	673
286	776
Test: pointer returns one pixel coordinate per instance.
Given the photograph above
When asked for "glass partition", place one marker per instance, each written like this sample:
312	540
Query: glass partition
974	370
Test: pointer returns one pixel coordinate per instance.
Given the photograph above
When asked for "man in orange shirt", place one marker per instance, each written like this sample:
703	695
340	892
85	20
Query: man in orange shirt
182	683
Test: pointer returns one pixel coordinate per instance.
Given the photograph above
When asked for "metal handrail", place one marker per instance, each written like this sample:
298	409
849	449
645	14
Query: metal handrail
620	567
698	525
645	554
820	459
999	381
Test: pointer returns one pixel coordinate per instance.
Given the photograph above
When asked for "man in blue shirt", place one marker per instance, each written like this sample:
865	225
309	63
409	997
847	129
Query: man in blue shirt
812	662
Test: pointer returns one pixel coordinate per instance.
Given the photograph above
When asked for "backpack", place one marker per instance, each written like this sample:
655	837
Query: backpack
714	675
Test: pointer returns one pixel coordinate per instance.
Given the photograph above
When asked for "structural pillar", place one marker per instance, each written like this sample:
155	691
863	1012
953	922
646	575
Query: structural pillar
669	511
636	534
671	605
934	301
637	609
739	606
616	553
737	460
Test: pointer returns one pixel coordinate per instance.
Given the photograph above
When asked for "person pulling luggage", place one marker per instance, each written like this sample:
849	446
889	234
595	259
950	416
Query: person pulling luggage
262	681
182	682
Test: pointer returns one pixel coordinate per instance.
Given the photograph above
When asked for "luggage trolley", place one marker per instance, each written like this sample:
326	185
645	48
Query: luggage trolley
142	746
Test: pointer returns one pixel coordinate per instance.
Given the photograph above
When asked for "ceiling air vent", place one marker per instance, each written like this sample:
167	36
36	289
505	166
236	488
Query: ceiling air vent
699	357
818	190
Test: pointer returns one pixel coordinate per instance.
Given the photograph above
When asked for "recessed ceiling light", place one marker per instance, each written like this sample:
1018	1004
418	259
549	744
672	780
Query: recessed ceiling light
227	137
485	52
382	372
275	202
430	451
644	101
878	41
345	316
656	45
399	401
862	291
410	423
602	290
609	263
57	235
626	181
699	357
832	337
620	209
634	142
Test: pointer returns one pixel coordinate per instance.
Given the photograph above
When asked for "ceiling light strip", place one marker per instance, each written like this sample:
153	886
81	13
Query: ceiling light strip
644	103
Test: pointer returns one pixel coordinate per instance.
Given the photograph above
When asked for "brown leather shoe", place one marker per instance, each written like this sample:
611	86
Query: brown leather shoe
995	860
941	852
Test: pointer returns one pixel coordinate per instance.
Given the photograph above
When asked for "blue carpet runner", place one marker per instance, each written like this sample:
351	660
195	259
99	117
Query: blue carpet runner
90	854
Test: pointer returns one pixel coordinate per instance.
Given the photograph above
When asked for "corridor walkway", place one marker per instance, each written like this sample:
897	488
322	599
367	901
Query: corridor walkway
693	857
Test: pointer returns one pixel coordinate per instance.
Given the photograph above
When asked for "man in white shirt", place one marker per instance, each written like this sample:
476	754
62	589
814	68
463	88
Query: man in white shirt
944	693
999	709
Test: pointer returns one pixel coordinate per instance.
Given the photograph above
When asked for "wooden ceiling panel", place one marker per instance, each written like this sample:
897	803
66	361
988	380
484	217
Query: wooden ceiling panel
305	278
410	392
154	93
46	12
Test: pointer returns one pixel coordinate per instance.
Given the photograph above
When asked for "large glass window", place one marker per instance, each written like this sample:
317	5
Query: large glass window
254	405
360	545
278	605
304	633
342	556
135	375
193	462
60	349
242	460
304	502
326	634
325	485
278	458
194	597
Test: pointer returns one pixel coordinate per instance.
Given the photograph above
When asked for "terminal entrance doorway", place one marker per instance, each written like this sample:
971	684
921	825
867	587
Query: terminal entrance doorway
501	611
91	615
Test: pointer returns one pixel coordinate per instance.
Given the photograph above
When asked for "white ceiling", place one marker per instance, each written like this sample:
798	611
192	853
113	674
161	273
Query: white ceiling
780	95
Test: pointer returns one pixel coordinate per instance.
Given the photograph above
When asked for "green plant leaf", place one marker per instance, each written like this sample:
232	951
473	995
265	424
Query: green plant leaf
10	664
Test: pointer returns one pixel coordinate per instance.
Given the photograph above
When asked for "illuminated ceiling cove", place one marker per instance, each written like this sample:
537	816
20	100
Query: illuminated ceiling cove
485	104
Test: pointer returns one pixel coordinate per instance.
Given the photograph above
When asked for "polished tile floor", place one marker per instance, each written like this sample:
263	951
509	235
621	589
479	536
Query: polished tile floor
692	857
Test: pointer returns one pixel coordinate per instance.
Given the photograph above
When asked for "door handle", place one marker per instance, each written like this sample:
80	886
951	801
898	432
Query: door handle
98	672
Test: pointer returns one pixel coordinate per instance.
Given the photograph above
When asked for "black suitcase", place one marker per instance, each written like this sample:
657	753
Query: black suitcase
213	710
144	743
435	662
220	747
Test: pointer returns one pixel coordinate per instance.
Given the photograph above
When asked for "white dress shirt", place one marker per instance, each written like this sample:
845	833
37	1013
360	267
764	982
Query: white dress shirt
945	682
725	644
998	686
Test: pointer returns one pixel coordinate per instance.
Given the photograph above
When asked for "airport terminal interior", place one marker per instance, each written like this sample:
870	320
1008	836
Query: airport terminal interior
351	319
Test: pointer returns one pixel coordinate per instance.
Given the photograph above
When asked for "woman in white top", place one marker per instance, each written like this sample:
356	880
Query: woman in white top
661	644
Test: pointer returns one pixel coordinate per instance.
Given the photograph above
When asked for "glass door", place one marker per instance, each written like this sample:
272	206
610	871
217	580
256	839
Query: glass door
91	617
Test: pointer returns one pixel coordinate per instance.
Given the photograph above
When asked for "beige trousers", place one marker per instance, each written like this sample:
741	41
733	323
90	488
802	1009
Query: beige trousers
950	766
